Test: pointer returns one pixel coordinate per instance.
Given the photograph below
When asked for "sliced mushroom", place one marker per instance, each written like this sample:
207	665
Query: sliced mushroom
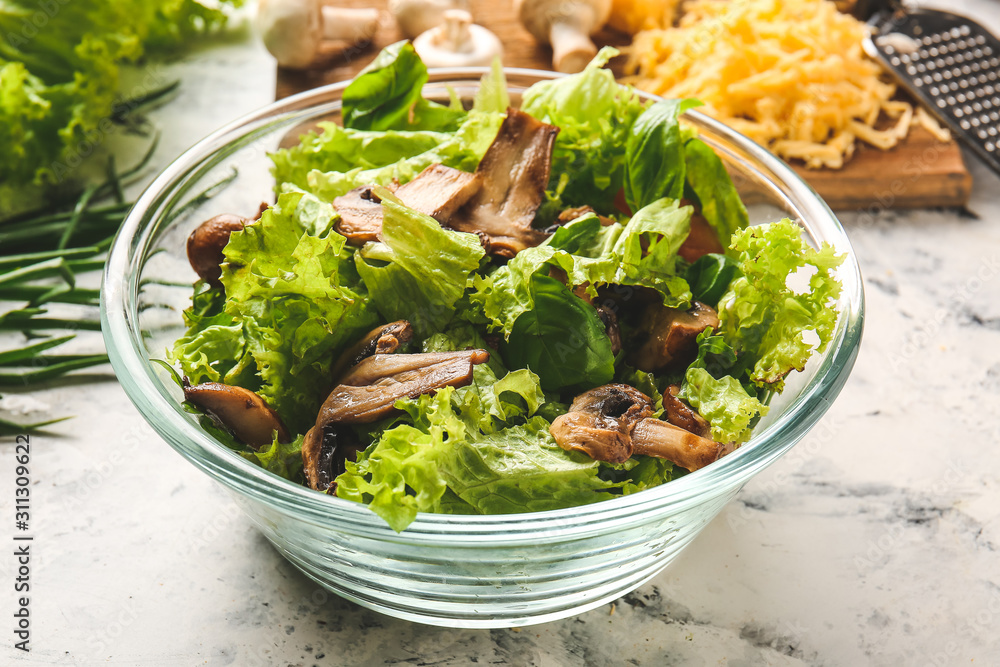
324	452
438	191
614	422
370	390
384	339
360	212
243	412
670	335
679	413
655	437
514	173
599	422
205	245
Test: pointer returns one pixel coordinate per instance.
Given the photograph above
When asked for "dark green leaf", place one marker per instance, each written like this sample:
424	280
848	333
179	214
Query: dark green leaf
561	339
654	154
709	277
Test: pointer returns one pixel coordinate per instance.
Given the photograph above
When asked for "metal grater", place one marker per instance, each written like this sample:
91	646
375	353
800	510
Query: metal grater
951	64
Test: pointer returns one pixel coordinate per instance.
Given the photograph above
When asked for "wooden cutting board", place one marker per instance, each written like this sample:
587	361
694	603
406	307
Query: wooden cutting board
919	172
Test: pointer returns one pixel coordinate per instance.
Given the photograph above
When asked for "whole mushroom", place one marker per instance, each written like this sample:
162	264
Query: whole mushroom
458	43
296	31
416	17
567	26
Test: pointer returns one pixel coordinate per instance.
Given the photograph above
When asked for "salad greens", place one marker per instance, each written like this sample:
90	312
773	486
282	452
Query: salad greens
560	318
60	66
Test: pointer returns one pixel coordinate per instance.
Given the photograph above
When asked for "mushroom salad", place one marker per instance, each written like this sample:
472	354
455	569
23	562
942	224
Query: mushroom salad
495	309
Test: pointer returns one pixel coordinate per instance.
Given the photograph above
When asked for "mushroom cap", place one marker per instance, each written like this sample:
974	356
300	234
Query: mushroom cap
206	243
537	16
415	17
457	42
292	30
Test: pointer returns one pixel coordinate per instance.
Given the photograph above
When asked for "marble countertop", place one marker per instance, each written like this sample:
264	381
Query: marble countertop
874	541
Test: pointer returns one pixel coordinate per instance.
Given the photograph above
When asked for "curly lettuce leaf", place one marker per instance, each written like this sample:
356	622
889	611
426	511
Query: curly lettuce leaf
594	115
723	402
762	316
648	250
298	301
462	149
522	469
404	280
400	475
654	154
349	151
60	74
283	459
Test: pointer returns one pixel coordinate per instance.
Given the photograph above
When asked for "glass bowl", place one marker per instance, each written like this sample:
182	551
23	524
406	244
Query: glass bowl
461	571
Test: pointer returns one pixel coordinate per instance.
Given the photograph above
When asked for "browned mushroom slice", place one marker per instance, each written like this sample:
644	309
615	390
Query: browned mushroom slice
679	413
370	389
360	212
205	245
599	438
439	191
514	173
245	413
324	451
655	437
600	421
384	339
671	335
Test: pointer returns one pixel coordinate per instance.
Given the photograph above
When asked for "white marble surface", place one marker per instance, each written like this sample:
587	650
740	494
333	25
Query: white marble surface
875	541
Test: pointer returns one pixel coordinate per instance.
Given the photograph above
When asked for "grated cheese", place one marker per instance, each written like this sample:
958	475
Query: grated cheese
790	74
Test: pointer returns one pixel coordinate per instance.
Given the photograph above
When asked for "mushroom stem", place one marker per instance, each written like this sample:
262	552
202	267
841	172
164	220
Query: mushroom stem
655	437
572	48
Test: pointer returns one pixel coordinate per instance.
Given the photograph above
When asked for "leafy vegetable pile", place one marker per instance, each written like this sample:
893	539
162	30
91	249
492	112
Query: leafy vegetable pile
294	294
60	70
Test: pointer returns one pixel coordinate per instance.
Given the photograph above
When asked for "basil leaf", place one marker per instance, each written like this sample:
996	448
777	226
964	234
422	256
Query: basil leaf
654	154
561	339
708	183
709	277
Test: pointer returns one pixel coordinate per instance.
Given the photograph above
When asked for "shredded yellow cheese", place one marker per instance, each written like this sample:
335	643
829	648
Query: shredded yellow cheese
790	74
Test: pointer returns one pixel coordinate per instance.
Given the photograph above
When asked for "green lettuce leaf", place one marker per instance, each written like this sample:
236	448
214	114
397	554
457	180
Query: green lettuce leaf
60	73
655	165
648	250
522	469
388	95
462	149
763	317
561	338
723	402
400	474
283	459
298	301
348	151
594	115
404	280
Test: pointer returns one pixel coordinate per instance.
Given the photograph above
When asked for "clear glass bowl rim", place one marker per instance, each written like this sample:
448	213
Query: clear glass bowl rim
119	314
